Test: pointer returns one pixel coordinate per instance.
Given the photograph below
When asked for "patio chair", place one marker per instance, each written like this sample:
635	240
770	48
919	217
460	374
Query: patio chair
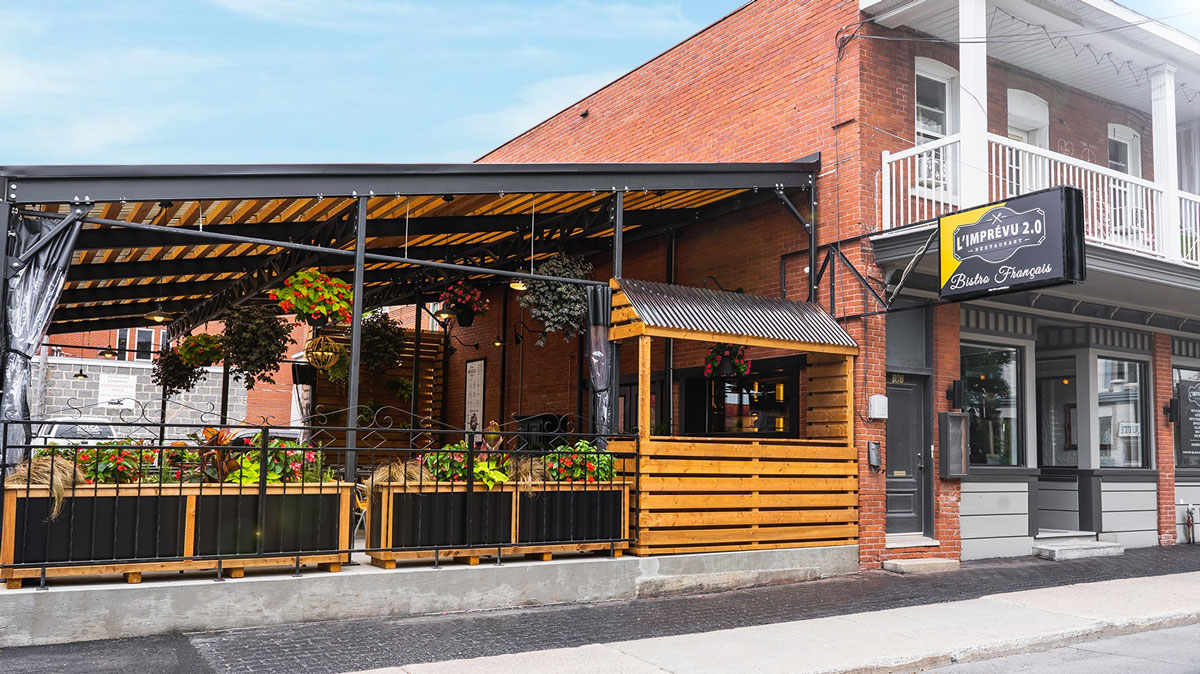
362	501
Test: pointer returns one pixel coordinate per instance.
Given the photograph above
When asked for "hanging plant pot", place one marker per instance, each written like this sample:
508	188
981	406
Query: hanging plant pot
726	360
464	301
725	368
466	318
316	320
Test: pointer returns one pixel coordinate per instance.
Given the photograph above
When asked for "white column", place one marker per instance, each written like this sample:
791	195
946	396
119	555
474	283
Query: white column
1166	157
972	102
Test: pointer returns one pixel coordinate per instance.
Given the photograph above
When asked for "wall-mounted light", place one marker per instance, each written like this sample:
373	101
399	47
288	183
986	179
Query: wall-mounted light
498	341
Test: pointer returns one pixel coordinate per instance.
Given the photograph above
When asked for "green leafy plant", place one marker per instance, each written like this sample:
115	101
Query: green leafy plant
255	341
201	350
111	462
173	374
559	307
450	465
312	294
582	461
732	354
382	342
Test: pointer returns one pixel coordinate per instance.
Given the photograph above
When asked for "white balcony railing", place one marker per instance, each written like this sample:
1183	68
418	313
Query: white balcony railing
920	183
1120	210
1189	225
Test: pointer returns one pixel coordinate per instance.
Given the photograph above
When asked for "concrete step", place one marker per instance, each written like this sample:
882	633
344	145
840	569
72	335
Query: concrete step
1063	551
1057	536
920	566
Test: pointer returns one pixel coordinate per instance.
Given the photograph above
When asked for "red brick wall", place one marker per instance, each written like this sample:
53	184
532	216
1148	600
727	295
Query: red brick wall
1164	440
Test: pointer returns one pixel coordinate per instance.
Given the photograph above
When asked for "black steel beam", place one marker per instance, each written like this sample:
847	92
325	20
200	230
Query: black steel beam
144	291
63	184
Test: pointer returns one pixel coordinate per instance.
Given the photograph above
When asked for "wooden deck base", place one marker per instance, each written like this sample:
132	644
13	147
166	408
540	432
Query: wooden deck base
472	556
133	572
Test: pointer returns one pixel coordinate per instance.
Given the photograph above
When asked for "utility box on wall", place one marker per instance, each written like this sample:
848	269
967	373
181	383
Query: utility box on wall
953	451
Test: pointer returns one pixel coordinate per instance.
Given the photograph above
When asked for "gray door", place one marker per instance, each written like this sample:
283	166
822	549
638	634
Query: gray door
908	461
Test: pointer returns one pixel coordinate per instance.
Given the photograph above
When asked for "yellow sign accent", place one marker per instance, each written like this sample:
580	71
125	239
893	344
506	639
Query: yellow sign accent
946	227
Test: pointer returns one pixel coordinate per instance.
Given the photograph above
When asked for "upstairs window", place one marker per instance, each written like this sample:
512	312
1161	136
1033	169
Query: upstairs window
1124	150
936	99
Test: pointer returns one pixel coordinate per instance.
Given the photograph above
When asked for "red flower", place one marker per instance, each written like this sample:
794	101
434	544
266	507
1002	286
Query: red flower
567	461
591	466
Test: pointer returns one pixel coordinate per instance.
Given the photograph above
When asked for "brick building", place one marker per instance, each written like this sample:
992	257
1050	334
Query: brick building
913	117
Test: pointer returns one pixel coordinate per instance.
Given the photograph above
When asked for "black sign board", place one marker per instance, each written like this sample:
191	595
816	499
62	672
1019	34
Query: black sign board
1025	242
1187	428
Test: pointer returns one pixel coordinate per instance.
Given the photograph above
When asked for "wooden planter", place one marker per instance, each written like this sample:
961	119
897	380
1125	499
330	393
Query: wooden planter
132	528
448	520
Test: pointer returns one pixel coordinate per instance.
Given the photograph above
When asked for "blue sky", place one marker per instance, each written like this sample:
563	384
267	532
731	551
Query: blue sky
190	81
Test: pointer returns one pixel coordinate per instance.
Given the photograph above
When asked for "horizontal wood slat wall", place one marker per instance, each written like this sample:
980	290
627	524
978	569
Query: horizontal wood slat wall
700	495
375	392
829	397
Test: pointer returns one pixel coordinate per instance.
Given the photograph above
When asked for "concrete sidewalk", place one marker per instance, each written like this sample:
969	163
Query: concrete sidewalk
903	639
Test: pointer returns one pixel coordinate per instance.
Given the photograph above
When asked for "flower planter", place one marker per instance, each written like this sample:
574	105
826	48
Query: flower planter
421	521
319	322
465	318
559	513
725	368
101	529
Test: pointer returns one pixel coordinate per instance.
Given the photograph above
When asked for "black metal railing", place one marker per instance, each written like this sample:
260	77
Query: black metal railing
140	496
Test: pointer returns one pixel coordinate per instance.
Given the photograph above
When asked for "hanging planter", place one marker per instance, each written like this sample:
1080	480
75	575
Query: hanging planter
726	360
202	350
173	374
465	302
315	297
255	342
559	307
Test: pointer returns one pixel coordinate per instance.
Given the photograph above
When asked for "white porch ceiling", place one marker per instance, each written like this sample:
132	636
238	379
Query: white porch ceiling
1111	63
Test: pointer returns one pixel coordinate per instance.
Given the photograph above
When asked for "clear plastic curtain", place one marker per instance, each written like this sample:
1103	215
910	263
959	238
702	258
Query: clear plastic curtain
32	294
599	315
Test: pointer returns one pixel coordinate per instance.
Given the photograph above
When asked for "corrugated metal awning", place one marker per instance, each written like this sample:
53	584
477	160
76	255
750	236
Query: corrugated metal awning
699	310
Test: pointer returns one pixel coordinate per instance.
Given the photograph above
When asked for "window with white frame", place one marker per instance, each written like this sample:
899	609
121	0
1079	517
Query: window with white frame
936	100
1028	123
143	344
1124	150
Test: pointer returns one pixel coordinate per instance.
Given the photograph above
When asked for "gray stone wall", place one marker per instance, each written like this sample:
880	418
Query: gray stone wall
65	396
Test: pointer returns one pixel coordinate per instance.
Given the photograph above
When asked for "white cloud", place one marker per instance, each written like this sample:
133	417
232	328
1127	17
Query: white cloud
566	18
533	104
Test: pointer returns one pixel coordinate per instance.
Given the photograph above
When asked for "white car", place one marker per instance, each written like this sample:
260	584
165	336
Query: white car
79	432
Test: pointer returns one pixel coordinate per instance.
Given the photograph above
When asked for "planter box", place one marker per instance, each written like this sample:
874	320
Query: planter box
448	520
132	528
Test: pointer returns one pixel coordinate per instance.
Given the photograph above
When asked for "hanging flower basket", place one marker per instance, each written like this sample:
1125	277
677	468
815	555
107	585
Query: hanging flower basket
315	297
465	301
726	360
202	350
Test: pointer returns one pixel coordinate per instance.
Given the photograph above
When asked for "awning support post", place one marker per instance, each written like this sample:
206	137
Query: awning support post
614	379
77	212
810	228
360	249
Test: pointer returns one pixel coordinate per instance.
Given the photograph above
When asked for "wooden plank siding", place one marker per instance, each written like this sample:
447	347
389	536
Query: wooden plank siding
699	494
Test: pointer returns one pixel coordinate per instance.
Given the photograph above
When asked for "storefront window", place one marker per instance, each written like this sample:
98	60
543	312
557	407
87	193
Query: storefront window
993	400
1188	454
1122	406
1058	414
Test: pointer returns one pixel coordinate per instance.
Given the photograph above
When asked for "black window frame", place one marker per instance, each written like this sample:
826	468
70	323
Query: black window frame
1021	404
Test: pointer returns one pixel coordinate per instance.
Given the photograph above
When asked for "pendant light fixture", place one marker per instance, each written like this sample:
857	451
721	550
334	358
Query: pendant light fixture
517	283
158	315
108	352
79	375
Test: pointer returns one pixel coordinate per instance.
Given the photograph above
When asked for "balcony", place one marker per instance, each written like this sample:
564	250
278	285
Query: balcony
1120	211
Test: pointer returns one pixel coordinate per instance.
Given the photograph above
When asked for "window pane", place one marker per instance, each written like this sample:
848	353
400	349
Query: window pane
1122	401
989	375
751	405
1186	456
123	343
931	107
1118	155
145	344
1058	416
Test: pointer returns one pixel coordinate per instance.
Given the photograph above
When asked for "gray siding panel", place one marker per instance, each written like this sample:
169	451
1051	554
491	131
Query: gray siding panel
1058	505
1130	513
994	520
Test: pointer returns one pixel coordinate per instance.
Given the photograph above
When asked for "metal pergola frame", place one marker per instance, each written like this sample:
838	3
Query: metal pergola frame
341	233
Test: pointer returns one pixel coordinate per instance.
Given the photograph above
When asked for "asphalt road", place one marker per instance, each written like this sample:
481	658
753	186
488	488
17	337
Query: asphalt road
1170	651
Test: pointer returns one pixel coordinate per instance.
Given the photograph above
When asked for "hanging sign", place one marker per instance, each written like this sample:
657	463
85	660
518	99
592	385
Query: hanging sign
1025	242
474	395
1187	429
